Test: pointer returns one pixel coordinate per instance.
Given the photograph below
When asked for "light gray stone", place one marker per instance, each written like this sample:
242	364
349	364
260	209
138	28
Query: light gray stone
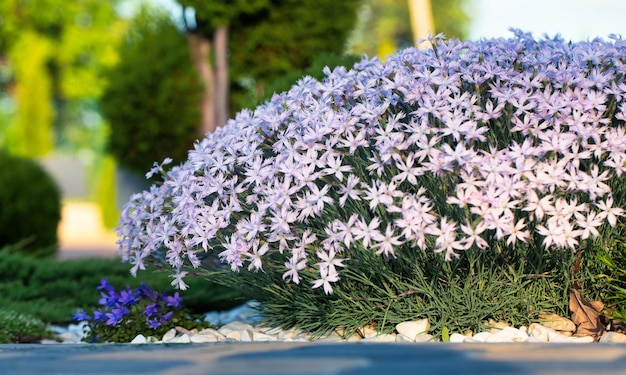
507	334
234	326
556	322
457	338
539	332
613	337
200	338
246	335
400	338
263	337
139	339
211	331
169	335
413	328
182	339
385	337
425	337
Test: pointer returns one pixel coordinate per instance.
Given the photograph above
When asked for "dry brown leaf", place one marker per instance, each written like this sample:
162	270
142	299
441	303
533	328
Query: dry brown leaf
586	315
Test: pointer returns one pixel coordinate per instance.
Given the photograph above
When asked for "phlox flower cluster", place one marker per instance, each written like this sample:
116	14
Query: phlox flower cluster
143	309
456	148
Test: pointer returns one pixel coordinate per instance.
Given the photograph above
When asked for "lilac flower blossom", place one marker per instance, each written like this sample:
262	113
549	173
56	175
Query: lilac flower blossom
523	136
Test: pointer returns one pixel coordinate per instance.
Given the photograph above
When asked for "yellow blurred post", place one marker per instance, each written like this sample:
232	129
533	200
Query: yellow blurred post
422	22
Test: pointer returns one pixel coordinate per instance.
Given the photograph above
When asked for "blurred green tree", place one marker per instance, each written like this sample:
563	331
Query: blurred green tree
267	39
152	96
385	25
52	54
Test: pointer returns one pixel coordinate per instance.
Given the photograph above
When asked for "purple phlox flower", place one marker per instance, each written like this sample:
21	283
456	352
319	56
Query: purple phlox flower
104	285
81	316
127	297
174	301
154	323
151	310
167	317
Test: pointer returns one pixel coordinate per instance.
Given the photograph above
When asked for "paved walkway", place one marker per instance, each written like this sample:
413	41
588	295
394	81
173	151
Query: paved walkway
314	358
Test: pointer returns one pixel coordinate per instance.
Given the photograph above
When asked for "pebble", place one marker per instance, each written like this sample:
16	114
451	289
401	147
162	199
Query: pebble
239	326
556	322
613	337
413	328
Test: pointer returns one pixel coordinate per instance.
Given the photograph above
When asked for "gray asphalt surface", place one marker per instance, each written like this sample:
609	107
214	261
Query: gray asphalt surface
313	358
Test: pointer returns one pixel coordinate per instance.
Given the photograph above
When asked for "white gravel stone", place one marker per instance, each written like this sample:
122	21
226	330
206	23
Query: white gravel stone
400	338
211	332
169	335
139	339
481	337
182	339
556	322
425	337
245	335
539	332
234	326
457	338
199	338
613	337
413	328
581	339
385	337
507	334
263	337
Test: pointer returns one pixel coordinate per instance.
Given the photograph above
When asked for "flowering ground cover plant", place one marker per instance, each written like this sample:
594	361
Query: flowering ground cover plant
457	183
127	313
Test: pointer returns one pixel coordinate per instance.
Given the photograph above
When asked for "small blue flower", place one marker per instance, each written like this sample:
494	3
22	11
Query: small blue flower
175	301
145	291
116	315
151	310
127	297
104	285
154	323
167	317
109	300
99	316
80	316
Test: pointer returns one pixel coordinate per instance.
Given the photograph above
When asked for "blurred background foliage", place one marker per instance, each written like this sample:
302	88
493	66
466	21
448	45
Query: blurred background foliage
110	83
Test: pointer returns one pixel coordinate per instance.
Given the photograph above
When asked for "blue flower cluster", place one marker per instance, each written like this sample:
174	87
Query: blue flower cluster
157	309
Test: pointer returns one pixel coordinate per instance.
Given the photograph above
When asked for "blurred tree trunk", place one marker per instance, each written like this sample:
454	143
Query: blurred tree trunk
200	52
220	39
422	23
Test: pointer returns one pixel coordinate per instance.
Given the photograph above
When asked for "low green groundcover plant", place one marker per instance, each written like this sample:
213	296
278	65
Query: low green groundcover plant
53	290
21	328
125	314
457	183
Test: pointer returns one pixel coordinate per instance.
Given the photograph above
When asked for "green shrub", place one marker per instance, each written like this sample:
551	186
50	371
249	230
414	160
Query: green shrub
152	96
30	204
53	290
